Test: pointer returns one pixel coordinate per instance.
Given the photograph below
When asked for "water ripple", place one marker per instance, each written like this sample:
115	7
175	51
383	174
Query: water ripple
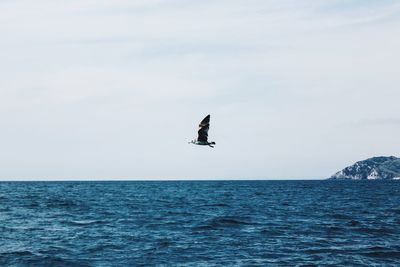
210	223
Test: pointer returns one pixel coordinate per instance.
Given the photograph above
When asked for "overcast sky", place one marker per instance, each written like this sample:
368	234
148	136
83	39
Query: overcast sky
115	89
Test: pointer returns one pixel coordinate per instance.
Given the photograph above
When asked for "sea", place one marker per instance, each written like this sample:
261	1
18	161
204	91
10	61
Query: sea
200	223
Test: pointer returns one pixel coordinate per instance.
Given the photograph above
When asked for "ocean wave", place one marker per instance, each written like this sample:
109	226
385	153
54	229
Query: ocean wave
222	222
84	222
53	261
223	205
383	254
200	223
17	253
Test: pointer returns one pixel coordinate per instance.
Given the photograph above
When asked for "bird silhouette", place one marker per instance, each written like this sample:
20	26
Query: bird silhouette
202	138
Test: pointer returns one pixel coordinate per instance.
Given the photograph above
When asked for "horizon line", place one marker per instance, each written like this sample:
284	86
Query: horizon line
155	180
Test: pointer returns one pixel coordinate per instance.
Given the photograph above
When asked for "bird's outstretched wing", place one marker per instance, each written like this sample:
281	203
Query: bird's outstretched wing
204	127
205	121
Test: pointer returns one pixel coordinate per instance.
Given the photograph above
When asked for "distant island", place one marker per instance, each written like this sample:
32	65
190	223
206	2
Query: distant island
382	168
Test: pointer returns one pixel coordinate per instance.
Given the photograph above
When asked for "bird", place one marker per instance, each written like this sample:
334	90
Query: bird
202	138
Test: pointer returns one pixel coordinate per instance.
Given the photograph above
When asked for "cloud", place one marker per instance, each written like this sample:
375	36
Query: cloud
381	122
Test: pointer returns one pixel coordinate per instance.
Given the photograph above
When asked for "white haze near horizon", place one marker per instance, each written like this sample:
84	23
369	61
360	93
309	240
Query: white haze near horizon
116	89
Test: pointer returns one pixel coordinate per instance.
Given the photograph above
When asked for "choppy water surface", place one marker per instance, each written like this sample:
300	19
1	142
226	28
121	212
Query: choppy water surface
265	223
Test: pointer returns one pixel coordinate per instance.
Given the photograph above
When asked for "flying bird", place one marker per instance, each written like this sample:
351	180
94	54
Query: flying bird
202	138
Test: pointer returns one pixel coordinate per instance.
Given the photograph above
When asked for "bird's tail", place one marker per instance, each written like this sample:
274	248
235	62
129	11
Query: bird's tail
212	143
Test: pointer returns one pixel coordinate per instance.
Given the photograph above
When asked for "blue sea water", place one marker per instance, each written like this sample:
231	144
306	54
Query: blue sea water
200	223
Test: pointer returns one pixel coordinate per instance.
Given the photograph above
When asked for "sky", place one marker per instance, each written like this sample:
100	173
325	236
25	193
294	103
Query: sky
115	89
